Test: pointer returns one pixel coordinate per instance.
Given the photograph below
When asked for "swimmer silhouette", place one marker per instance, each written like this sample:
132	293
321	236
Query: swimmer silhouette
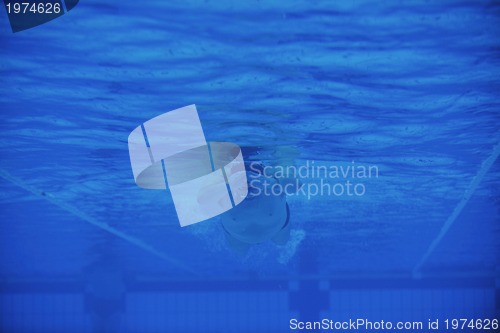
261	217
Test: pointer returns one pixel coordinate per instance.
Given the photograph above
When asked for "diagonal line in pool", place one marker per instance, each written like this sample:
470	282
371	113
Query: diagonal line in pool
485	167
104	226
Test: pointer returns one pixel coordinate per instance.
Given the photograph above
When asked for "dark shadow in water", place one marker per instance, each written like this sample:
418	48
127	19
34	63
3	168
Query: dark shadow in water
105	287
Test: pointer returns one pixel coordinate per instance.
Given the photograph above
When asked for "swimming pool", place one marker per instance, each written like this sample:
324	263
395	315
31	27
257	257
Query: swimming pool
411	89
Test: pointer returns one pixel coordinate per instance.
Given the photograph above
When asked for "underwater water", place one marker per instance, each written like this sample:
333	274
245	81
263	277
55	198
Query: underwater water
411	88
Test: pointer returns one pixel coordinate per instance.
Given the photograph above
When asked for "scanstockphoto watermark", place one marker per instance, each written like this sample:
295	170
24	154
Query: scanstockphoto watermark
312	178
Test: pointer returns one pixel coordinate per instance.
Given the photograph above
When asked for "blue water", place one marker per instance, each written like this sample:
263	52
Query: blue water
412	88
